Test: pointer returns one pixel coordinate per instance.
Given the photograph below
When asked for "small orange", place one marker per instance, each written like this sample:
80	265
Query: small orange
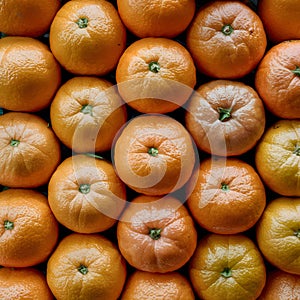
87	37
155	75
23	283
86	114
29	150
29	74
86	266
149	286
85	194
28	229
226	39
278	234
227	267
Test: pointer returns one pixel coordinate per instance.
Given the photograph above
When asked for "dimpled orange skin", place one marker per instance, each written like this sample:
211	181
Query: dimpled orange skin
149	286
29	150
28	229
29	74
23	283
95	44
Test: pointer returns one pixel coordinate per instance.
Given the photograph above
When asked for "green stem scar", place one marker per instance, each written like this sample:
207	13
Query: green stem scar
82	22
87	109
84	188
224	187
14	143
296	71
153	151
227	29
154	66
297	150
83	269
226	272
297	233
224	113
8	225
154	233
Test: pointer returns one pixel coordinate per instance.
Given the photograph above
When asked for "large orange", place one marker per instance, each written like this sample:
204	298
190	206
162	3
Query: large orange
278	234
228	196
227	267
156	234
154	154
29	74
86	114
85	194
277	79
86	266
29	150
28	229
277	157
155	75
226	39
225	118
87	37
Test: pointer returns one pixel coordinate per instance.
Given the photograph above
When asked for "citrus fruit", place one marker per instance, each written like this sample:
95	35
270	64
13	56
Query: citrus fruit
86	114
228	196
29	74
155	75
225	117
85	194
156	18
277	157
154	154
226	39
227	267
161	229
277	80
28	229
29	150
278	234
149	286
87	37
86	266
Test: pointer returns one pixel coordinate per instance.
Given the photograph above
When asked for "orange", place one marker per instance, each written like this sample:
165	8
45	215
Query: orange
29	150
228	196
281	19
226	39
28	229
87	113
27	17
277	80
86	266
155	75
281	286
154	154
85	194
225	118
149	286
227	267
29	74
277	157
23	283
87	37
156	234
278	233
156	18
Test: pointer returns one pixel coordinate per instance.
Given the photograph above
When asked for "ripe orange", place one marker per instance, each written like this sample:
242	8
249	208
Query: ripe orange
156	18
85	194
228	196
23	283
225	118
278	233
28	229
27	17
29	150
226	39
86	266
156	234
86	114
154	154
277	157
87	37
277	80
227	267
149	286
29	74
155	75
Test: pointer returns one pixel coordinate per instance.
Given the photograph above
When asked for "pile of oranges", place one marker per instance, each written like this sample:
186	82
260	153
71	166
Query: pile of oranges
150	149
